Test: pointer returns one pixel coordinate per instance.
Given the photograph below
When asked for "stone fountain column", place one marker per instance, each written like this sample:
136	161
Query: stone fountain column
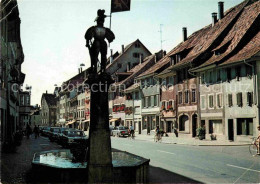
100	168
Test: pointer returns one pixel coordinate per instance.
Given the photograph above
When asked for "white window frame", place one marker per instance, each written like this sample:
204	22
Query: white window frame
195	95
205	100
220	102
181	97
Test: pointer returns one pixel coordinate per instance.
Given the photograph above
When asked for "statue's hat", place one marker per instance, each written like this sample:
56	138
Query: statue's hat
101	15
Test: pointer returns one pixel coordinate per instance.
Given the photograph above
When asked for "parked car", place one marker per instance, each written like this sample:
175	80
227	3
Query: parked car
40	129
54	133
72	138
120	131
46	131
111	128
61	133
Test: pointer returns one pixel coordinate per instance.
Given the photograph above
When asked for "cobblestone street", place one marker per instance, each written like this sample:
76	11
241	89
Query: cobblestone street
16	167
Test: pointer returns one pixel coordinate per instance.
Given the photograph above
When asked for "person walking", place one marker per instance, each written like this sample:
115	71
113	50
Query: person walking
175	131
28	131
35	131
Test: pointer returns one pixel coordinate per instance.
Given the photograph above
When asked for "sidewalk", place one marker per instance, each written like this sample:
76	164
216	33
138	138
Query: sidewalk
190	141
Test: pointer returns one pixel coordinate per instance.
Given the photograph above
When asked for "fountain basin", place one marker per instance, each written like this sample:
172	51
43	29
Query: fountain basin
58	166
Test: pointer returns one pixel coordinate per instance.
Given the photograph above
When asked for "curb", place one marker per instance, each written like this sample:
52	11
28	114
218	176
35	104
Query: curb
242	144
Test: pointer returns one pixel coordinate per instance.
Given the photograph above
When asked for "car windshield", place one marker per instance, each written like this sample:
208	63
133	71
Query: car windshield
75	134
122	128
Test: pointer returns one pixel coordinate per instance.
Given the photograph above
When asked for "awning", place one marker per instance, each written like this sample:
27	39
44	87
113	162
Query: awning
113	119
71	122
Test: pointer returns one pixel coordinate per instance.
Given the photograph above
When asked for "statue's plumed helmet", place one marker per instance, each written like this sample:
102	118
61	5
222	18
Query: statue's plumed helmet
101	16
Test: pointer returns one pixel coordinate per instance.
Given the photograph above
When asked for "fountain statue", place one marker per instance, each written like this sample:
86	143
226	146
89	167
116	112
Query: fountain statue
99	33
100	168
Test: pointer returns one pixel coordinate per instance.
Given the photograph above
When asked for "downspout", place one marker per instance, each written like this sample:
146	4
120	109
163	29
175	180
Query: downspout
254	82
198	99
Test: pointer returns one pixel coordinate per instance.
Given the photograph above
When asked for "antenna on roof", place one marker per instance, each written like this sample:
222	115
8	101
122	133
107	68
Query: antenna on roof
161	35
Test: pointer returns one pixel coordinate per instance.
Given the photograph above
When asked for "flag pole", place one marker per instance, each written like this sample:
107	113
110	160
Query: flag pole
110	20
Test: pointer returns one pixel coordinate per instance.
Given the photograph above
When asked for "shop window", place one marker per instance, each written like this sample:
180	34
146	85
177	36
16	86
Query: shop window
245	126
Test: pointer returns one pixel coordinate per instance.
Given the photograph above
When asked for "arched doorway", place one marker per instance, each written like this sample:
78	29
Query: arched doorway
183	123
194	124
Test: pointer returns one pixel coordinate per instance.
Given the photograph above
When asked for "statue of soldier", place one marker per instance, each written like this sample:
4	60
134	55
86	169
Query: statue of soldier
99	33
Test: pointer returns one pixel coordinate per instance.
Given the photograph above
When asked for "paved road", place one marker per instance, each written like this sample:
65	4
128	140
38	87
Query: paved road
16	167
211	164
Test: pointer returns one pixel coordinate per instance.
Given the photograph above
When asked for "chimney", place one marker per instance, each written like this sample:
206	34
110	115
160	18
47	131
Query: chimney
214	18
184	31
79	70
111	57
164	53
128	66
123	49
46	92
220	10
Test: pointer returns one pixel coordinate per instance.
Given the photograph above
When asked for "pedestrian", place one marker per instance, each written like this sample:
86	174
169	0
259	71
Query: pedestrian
38	131
175	132
28	131
258	140
35	131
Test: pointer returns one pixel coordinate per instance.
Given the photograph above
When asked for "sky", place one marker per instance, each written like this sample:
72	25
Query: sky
52	32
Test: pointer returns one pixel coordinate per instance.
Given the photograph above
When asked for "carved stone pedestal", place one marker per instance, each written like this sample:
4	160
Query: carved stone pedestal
100	168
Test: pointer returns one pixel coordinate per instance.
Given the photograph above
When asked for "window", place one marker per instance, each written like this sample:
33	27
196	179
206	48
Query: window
137	45
210	77
219	100
238	72
245	126
228	74
211	102
146	102
193	95
248	71
202	78
149	101
180	97
239	100
170	105
230	100
155	100
137	95
136	55
163	105
187	96
215	126
218	75
250	99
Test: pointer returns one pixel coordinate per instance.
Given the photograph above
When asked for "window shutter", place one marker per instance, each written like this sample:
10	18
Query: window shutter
239	99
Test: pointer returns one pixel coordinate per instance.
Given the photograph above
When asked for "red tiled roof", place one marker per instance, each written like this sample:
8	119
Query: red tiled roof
126	48
148	61
208	37
249	19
